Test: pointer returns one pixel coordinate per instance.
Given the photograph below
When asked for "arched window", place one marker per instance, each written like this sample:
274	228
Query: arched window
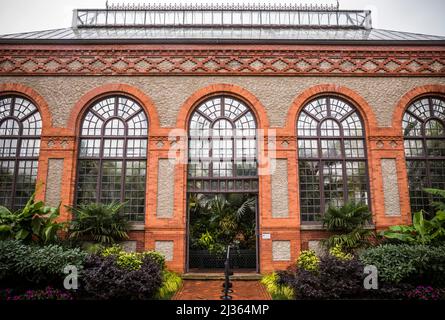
20	130
222	147
332	157
424	132
113	155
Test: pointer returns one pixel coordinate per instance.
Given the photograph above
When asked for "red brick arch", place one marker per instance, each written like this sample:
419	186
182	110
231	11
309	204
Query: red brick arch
351	96
216	89
114	88
34	97
409	97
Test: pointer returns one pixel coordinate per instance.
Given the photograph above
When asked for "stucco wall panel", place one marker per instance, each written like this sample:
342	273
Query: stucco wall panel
275	93
54	182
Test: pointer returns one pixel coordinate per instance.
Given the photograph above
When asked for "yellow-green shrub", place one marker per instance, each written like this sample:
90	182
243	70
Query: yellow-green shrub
337	251
277	291
171	283
308	260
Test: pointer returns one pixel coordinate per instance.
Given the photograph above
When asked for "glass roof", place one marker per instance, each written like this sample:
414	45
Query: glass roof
219	23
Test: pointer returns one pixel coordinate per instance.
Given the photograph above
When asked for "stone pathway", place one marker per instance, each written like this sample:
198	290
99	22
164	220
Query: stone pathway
212	290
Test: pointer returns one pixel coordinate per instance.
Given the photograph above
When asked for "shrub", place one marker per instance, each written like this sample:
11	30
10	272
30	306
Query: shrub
34	222
348	225
102	223
277	290
171	283
48	293
22	264
131	260
103	278
414	264
338	252
308	260
424	293
335	279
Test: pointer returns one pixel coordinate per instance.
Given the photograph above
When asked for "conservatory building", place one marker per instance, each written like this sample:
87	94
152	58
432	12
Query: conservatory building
219	125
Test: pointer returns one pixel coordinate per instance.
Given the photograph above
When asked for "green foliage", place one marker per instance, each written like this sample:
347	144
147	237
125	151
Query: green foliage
102	223
422	231
23	263
172	282
276	290
35	222
438	204
219	220
207	241
337	251
348	225
131	260
308	260
415	264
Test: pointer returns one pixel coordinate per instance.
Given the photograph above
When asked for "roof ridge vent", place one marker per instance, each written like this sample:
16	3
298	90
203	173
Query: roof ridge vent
265	16
223	6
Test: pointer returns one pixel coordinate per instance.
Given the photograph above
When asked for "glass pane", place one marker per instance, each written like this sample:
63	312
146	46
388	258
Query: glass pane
10	128
32	126
135	176
309	173
333	184
317	108
25	182
127	107
339	108
437	173
111	181
352	126
246	148
23	108
222	169
87	181
308	148
222	148
89	148
357	182
136	148
91	125
246	169
199	149
211	108
8	148
30	148
307	126
198	169
105	108
138	125
245	126
113	148
331	148
436	148
233	108
418	180
329	128
115	128
354	149
434	128
6	183
413	148
411	126
222	128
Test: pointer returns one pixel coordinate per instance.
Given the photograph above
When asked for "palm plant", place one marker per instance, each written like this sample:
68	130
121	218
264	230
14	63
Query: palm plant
226	218
348	224
98	222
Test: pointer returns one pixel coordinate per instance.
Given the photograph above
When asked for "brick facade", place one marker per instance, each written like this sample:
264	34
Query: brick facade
59	137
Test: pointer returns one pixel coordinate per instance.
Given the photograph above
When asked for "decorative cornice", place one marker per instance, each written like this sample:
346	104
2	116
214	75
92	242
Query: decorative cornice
222	62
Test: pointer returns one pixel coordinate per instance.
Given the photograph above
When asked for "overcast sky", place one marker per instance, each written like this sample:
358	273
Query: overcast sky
416	16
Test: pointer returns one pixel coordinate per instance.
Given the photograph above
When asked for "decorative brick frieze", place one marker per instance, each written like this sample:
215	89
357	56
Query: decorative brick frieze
293	60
